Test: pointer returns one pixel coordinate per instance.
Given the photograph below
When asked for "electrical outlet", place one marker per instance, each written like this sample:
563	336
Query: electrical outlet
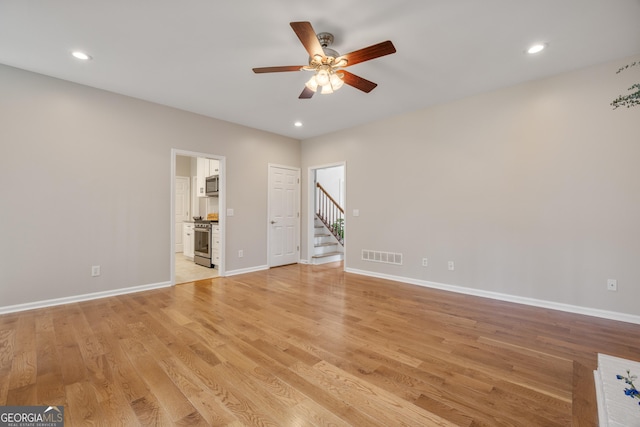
95	270
240	253
424	262
612	285
451	266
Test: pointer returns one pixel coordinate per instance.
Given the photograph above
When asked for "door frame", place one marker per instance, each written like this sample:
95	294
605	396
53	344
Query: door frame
222	203
189	209
311	192
269	228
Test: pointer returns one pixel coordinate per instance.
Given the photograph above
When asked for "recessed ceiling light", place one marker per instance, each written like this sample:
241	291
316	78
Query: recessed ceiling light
80	55
298	124
536	48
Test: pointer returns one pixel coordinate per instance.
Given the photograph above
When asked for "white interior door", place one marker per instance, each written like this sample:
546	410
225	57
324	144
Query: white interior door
284	215
182	209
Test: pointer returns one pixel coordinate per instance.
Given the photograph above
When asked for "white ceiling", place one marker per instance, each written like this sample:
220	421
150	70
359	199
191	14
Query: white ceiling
197	55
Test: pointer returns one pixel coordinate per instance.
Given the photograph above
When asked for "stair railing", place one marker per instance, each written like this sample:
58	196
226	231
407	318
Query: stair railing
330	213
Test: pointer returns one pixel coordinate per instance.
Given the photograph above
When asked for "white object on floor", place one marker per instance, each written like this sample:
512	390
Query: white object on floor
615	408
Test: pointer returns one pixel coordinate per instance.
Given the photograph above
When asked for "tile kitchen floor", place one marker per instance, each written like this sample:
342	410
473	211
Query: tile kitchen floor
189	271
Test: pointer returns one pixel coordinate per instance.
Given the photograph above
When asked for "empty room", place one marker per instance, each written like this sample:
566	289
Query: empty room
293	213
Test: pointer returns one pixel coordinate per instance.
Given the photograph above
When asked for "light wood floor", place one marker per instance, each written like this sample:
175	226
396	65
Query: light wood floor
186	270
307	345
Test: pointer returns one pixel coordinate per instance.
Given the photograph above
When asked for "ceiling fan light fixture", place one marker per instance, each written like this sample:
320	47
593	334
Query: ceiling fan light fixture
323	75
312	84
327	79
327	64
336	81
326	90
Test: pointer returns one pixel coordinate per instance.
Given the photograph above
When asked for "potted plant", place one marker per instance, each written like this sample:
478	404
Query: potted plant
338	227
632	99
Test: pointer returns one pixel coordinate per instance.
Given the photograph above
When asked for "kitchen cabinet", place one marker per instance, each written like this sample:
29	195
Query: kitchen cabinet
187	240
215	245
204	168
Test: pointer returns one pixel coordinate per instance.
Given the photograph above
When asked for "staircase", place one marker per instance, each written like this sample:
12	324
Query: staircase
328	237
326	247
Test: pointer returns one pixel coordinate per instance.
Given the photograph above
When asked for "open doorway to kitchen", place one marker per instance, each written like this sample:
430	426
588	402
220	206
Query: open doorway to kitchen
197	216
327	235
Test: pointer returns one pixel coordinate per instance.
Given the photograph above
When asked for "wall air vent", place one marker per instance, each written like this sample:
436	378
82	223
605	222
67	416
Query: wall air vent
383	257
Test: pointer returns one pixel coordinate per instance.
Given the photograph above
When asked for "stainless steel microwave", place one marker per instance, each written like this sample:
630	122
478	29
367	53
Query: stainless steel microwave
212	185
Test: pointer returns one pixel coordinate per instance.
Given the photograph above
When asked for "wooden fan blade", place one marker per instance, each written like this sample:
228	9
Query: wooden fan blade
277	69
367	53
357	81
306	93
308	37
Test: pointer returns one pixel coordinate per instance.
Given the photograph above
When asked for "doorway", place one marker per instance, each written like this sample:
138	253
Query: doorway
185	164
327	237
284	215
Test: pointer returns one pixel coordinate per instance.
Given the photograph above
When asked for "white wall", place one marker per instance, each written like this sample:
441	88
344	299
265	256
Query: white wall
533	191
183	166
86	178
332	180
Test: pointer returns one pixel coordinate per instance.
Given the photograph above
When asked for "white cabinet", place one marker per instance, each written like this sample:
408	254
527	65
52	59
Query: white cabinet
215	245
187	240
204	168
214	167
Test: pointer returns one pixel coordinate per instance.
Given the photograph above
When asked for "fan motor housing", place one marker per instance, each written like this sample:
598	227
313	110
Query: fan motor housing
325	39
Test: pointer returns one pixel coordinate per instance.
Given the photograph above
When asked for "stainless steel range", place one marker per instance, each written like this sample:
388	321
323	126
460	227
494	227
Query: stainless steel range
202	242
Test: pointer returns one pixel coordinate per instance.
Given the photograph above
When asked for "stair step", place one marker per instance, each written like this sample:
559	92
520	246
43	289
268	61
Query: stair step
327	254
322	235
320	245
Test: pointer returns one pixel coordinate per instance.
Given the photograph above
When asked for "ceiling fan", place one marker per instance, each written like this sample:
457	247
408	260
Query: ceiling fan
327	64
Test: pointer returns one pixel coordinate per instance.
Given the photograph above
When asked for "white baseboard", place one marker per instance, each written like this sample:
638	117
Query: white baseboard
611	315
327	260
79	298
246	270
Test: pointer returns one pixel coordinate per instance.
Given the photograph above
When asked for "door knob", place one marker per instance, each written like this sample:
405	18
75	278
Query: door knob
273	222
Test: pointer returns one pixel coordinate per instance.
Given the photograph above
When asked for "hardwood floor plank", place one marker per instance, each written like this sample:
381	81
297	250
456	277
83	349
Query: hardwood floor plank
176	405
82	406
200	396
436	406
584	408
250	373
123	374
307	345
72	364
23	370
27	393
369	398
309	412
50	390
4	384
327	399
150	412
7	348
